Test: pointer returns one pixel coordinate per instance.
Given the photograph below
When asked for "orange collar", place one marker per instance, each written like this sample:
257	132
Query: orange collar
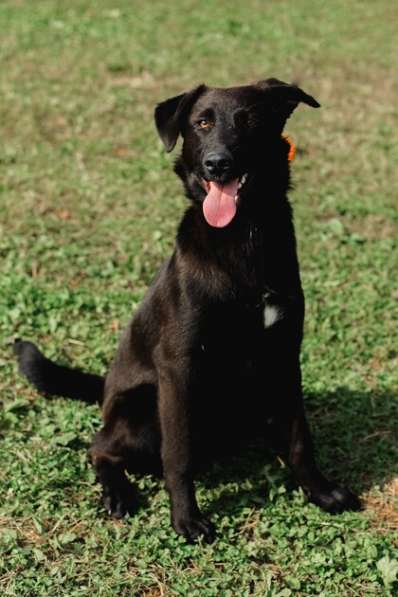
292	148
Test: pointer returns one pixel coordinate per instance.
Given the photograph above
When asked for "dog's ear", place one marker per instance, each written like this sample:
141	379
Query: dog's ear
284	97
170	115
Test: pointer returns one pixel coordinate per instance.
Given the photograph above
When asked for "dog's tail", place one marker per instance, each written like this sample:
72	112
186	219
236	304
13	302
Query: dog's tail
50	378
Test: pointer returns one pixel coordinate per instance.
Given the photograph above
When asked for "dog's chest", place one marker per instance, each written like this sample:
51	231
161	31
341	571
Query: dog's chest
237	333
262	302
273	310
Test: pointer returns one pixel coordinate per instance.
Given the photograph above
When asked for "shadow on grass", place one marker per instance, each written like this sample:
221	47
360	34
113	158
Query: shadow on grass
356	442
356	435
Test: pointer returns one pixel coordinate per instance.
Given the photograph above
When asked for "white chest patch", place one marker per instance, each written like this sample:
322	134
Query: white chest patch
272	314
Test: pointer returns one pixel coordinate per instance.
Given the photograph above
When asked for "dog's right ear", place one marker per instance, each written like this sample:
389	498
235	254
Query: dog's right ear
170	115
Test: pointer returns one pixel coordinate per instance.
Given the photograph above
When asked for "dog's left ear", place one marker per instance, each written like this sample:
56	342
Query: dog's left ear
170	115
284	97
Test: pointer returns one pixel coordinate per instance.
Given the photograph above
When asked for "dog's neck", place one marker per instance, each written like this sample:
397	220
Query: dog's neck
253	252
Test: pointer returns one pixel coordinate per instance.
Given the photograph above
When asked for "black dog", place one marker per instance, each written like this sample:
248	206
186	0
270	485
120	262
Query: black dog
212	355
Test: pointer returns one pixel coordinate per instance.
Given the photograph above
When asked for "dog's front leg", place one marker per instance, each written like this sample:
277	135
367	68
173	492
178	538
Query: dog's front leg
296	446
176	452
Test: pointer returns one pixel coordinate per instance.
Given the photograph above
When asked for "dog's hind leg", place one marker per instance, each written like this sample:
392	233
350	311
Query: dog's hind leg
118	494
129	441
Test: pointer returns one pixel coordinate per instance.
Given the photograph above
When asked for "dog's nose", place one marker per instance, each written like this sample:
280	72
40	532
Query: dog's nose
218	163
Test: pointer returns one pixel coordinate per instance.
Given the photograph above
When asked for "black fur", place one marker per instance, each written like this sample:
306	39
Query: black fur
211	358
50	378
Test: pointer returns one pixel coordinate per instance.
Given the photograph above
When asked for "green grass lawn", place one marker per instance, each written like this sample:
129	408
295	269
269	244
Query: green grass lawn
89	208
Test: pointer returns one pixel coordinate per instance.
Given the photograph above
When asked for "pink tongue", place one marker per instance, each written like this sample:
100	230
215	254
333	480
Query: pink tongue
219	207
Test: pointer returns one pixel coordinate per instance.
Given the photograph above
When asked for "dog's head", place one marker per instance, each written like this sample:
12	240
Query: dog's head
227	136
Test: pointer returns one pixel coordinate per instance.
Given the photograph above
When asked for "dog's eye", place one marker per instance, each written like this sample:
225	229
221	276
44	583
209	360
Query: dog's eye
203	123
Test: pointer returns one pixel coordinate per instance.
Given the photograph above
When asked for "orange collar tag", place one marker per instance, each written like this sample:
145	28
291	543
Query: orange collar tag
292	146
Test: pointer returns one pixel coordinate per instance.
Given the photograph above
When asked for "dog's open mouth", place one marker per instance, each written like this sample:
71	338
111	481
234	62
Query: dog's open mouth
220	204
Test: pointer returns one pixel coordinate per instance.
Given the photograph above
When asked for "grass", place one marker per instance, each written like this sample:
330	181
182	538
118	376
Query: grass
89	208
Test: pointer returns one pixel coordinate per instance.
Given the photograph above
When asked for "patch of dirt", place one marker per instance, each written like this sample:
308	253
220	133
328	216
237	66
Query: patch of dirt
374	227
383	507
145	79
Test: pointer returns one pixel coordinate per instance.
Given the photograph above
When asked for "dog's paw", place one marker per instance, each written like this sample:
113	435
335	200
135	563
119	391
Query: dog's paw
118	501
193	528
336	499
